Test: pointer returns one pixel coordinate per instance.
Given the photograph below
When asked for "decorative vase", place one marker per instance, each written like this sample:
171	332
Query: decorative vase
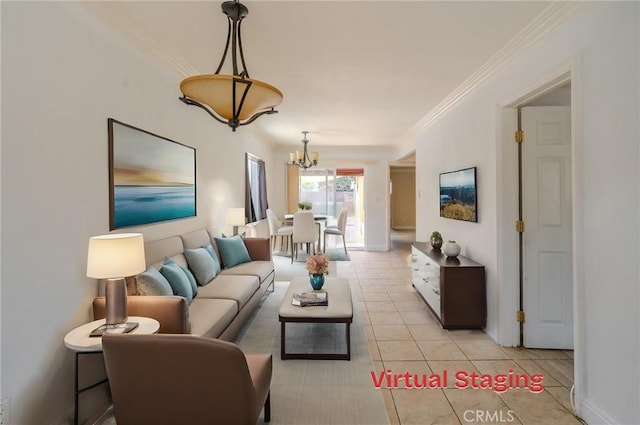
436	243
317	280
451	249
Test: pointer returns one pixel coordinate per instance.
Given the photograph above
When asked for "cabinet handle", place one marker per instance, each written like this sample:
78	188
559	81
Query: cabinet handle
437	291
425	280
416	269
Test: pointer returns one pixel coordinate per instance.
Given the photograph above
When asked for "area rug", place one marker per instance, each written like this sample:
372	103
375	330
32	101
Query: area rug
337	254
306	392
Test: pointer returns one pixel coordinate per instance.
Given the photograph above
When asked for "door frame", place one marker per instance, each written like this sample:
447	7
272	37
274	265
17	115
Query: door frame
507	210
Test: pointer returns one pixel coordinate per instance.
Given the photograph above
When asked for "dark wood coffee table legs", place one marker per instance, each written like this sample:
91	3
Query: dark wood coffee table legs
315	356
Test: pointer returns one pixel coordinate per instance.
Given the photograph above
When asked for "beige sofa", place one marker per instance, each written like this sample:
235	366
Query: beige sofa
221	307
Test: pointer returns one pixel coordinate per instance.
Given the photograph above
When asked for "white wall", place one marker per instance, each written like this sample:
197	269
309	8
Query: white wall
600	47
63	75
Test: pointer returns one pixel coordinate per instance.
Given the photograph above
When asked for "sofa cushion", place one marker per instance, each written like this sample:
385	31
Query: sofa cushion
202	265
192	280
151	282
209	317
261	269
237	288
213	255
232	251
177	279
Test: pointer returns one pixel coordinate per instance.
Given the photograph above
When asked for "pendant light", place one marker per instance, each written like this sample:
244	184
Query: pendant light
302	158
235	99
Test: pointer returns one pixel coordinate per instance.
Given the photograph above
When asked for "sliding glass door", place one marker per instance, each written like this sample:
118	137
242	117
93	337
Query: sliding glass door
328	191
317	187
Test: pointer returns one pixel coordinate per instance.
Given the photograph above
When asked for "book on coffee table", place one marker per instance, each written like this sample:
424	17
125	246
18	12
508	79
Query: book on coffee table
307	299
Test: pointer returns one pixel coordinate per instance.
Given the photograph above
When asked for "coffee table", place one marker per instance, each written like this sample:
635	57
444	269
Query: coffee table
339	310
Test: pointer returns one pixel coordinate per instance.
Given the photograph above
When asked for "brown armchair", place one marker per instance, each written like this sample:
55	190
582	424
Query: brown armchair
171	311
184	379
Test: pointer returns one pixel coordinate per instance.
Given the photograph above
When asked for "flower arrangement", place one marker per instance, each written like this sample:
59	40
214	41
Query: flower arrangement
318	264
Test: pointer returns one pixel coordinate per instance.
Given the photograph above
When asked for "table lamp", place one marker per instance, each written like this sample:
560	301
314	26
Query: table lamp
113	257
235	218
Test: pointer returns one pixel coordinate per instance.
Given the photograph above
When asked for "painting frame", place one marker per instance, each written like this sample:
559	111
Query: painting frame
152	178
459	194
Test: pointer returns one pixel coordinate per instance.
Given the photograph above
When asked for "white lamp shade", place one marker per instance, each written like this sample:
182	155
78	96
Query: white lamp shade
115	256
235	217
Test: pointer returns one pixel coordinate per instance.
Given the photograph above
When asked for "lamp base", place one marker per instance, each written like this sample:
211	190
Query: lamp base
115	292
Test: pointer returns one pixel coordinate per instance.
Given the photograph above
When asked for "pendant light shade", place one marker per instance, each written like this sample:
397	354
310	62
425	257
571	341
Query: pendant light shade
216	91
235	99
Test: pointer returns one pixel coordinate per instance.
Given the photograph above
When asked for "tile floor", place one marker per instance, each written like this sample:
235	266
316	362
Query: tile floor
404	336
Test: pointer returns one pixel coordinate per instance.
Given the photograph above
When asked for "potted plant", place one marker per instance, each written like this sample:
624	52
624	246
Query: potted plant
317	266
436	240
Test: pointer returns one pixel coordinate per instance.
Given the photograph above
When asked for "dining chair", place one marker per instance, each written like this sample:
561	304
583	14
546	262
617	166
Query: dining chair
304	231
338	229
276	229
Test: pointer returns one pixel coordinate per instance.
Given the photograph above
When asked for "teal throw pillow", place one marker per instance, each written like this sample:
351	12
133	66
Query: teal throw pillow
192	280
232	251
201	264
177	279
212	252
151	282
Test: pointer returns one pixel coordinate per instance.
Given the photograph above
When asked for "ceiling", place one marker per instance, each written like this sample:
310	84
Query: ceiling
353	73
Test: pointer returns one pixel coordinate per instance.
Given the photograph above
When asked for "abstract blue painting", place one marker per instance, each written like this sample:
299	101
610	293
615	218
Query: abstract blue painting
152	178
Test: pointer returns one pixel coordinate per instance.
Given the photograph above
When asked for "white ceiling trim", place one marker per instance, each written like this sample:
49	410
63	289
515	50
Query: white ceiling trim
115	16
550	18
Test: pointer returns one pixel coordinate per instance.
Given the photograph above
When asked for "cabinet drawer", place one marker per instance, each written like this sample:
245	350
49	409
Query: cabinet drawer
454	289
432	297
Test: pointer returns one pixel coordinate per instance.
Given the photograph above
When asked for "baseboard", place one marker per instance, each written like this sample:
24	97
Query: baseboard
592	414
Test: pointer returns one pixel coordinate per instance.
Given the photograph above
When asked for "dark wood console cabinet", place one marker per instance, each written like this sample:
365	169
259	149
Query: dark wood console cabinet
453	288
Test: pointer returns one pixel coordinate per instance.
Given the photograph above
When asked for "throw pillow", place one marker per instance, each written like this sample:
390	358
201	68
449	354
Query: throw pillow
177	279
232	251
151	282
201	264
192	280
212	252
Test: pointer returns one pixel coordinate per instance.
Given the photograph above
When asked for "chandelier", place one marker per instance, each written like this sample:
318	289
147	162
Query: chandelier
302	158
235	99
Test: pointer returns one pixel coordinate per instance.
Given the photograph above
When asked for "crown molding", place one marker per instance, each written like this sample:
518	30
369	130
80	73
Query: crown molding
113	14
548	20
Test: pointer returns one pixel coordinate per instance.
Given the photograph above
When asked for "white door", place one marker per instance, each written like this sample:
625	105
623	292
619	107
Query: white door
547	199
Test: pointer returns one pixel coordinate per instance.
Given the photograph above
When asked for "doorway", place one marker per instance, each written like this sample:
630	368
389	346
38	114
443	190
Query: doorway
546	236
402	202
330	190
543	203
509	273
